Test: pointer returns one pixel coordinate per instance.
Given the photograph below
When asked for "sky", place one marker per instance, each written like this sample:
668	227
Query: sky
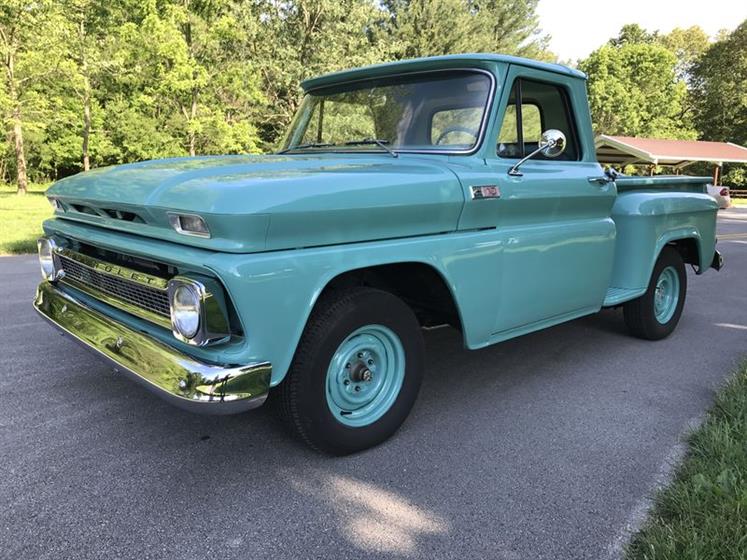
578	27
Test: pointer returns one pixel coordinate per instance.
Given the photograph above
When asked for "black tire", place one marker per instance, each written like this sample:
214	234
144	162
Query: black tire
640	313
303	393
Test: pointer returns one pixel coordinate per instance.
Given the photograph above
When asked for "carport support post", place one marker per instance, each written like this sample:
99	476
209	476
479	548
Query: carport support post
715	175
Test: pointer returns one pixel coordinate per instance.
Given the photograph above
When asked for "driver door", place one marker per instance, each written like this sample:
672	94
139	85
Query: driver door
555	225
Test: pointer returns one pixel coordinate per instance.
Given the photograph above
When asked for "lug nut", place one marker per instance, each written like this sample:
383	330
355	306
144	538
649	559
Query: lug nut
370	362
357	388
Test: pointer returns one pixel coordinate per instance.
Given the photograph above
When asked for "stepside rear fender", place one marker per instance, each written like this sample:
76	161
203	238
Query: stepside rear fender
648	220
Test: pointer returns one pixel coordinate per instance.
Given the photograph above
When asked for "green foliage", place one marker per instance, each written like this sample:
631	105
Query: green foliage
688	45
301	39
720	95
634	91
632	33
112	82
29	36
677	85
435	27
96	83
701	515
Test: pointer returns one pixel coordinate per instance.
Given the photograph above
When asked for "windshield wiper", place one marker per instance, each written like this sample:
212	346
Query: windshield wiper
304	146
373	142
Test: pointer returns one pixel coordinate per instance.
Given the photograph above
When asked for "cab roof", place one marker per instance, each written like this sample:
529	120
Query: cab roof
476	60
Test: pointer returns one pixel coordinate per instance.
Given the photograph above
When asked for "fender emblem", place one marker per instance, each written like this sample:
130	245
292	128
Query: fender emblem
481	192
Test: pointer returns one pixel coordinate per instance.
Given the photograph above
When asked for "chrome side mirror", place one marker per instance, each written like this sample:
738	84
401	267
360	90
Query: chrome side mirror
551	145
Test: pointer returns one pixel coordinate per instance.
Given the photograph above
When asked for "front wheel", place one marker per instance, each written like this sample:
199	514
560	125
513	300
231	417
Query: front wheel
655	314
356	372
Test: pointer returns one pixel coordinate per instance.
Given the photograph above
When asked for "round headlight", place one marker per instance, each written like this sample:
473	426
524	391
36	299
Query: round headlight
185	310
46	259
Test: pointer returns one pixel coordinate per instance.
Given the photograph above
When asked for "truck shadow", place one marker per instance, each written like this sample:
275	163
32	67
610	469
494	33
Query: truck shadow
393	500
481	375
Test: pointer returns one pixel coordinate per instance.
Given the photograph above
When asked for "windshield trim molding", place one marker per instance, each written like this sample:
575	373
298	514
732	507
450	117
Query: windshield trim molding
483	123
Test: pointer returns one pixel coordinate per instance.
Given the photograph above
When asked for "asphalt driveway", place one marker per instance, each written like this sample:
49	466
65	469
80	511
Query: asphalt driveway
545	446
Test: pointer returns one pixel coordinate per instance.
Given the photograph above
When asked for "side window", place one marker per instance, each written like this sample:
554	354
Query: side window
509	141
531	123
534	107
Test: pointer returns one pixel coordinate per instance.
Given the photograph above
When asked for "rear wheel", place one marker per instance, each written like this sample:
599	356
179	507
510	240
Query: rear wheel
356	372
655	314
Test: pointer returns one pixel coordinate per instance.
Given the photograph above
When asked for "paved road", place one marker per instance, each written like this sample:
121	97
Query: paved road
542	447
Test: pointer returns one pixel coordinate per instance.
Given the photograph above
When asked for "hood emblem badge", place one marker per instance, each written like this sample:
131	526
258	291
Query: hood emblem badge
480	192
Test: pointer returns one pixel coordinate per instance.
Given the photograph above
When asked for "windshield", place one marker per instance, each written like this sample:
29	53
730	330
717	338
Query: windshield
433	111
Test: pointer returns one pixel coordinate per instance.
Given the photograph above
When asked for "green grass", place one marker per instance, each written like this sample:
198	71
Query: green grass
21	218
703	514
739	202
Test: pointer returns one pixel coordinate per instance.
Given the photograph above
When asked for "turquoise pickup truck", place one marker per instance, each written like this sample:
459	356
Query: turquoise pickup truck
458	190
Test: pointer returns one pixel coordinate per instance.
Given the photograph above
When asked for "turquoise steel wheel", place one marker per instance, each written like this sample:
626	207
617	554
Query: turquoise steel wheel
365	375
666	294
356	372
655	314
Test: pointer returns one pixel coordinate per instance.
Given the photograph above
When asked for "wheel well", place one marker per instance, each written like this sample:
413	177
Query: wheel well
417	284
688	249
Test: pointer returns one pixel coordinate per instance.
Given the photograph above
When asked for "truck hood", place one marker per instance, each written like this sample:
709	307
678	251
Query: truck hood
259	203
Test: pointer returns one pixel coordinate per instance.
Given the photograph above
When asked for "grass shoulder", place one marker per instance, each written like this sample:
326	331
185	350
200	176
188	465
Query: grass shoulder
702	514
21	217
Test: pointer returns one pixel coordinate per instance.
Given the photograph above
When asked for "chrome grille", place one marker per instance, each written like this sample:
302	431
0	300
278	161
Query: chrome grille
141	296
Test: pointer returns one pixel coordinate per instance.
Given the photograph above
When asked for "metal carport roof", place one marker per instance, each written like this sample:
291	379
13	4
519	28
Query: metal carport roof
625	150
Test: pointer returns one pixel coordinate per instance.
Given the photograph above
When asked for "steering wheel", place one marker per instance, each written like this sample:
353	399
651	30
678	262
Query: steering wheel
453	129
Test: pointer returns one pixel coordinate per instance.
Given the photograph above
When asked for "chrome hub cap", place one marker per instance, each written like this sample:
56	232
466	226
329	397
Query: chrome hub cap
365	375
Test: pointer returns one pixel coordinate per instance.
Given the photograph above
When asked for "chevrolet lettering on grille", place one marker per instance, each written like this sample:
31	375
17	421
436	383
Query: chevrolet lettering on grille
127	274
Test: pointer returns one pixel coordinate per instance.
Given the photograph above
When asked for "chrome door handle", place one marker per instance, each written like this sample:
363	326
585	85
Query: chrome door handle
601	181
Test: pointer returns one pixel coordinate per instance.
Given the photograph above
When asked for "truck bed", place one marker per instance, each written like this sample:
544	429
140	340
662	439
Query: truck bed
651	212
681	183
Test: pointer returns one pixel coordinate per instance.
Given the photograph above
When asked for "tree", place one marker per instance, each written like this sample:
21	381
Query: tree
429	27
88	82
632	33
184	84
633	91
719	79
24	34
687	45
89	27
300	39
434	27
719	97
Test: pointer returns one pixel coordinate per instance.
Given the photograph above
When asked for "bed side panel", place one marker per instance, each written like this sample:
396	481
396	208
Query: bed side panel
648	220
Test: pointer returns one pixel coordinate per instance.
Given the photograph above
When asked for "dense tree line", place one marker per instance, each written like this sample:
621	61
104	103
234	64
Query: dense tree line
93	82
86	83
678	85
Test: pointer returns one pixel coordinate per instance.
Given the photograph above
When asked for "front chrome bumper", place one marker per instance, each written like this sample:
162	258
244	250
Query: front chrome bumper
173	375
